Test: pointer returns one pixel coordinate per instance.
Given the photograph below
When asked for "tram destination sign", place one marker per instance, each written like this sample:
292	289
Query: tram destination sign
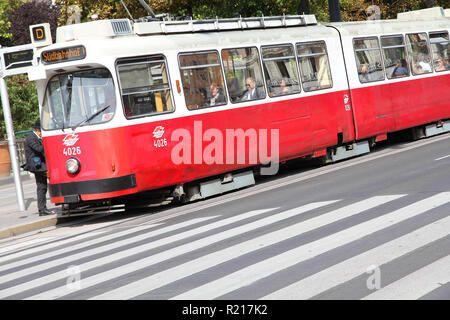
18	59
63	55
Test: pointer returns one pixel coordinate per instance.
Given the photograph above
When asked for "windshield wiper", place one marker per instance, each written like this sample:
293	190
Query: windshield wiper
91	117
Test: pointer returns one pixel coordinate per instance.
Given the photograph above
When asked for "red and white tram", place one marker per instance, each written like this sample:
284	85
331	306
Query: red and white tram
129	109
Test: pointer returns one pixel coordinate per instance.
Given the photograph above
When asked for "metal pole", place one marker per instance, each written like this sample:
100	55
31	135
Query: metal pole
303	7
12	143
335	11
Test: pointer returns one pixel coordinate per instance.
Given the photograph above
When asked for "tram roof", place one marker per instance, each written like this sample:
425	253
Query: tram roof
121	37
418	20
365	28
137	45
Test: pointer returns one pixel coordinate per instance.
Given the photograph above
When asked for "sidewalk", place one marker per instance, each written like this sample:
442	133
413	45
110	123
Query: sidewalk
13	221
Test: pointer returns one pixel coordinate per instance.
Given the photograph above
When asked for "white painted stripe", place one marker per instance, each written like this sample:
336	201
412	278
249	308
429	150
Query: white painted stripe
184	270
265	268
356	266
96	231
416	284
442	158
180	250
97	250
24	244
135	250
86	232
74	243
45	247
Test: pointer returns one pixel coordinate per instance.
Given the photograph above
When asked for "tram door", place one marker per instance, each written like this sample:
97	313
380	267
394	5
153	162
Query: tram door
292	115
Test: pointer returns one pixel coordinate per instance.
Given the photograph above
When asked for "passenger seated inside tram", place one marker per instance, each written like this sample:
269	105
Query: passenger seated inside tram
421	66
283	87
217	97
442	65
401	69
252	92
364	73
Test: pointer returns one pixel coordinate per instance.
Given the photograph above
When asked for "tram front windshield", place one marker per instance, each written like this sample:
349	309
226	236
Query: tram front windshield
78	99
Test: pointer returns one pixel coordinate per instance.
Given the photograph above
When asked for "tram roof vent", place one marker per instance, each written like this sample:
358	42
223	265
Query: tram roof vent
121	27
227	24
436	12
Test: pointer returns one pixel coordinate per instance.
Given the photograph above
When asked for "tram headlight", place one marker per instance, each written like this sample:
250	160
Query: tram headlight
73	165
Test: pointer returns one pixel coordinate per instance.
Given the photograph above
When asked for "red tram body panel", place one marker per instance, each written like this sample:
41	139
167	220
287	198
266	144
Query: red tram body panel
124	151
396	106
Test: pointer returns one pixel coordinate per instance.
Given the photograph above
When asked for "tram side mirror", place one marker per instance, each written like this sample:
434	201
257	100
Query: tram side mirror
40	35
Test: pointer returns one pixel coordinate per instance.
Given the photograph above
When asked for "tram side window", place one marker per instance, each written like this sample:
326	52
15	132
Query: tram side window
419	53
314	67
202	80
244	74
440	46
144	86
368	59
54	108
395	59
280	70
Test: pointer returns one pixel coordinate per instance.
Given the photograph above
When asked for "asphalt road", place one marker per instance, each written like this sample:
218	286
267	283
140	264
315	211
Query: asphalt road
373	227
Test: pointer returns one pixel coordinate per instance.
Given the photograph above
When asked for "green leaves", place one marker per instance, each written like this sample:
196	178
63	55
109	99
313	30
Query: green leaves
23	102
29	13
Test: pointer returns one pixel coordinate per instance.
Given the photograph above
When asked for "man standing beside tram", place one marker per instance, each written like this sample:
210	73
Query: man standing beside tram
35	162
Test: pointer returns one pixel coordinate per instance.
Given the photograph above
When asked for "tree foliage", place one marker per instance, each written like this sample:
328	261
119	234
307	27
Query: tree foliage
23	102
29	13
351	10
6	7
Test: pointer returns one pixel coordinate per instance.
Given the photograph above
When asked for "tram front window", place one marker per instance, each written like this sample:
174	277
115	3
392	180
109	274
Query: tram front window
78	99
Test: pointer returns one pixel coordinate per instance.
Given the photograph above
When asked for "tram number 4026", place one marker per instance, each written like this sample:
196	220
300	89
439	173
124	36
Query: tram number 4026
71	151
160	143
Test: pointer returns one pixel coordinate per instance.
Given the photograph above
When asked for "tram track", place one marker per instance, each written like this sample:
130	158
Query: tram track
292	172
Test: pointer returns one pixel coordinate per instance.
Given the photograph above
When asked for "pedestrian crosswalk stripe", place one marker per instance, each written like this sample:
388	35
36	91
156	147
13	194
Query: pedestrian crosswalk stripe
167	276
47	246
357	265
67	241
265	268
182	249
416	284
23	245
308	287
135	250
99	249
70	246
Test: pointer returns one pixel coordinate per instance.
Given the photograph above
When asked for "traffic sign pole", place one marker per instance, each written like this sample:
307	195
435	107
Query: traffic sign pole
19	60
12	143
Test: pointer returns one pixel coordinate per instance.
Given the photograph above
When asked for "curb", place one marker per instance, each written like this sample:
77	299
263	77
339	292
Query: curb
32	226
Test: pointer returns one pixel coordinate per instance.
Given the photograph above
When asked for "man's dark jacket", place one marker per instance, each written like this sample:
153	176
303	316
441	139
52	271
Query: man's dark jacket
34	148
